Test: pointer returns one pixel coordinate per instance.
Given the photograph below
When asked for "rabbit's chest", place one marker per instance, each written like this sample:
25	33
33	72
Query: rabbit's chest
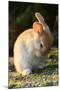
37	61
32	59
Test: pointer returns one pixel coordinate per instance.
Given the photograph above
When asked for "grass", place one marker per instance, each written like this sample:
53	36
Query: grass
47	76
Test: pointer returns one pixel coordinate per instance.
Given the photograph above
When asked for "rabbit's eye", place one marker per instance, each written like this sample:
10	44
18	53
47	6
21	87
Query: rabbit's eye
41	45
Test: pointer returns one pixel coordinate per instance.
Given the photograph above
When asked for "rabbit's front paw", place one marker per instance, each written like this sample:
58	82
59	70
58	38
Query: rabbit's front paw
26	72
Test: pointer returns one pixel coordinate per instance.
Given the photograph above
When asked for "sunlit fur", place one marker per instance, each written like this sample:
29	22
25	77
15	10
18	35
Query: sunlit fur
27	51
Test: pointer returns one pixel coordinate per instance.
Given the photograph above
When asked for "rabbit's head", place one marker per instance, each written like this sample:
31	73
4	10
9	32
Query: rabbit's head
43	39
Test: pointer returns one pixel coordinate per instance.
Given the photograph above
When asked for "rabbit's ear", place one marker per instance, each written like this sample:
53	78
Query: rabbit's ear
39	17
38	28
47	30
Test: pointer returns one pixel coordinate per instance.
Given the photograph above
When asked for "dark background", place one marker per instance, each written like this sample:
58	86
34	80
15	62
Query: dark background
21	17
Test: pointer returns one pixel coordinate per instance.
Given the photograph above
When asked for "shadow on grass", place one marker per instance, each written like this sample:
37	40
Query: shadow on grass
48	69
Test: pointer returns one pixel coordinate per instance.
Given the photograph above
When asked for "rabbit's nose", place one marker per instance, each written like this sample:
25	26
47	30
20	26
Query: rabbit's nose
46	51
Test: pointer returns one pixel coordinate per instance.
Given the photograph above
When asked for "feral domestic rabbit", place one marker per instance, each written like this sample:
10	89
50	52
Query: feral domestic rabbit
32	46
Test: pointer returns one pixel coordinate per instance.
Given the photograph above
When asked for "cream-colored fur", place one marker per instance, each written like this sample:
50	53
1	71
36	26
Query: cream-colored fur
28	51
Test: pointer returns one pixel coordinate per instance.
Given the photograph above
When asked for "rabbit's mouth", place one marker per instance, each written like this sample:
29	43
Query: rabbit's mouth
45	52
41	52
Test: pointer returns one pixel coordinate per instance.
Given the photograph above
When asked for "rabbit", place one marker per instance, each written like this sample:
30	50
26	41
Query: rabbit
32	46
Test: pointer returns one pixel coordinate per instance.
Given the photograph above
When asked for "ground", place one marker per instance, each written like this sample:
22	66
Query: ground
47	76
